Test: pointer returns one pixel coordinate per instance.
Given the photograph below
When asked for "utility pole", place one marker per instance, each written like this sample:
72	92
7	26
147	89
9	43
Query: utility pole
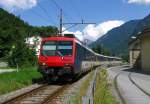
61	23
73	24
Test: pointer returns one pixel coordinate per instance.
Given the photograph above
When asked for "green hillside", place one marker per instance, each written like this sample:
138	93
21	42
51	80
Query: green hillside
116	40
13	32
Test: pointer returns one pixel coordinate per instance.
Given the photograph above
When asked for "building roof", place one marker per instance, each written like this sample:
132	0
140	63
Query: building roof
140	35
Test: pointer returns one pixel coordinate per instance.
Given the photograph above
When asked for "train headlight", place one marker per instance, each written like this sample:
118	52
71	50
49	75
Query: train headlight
43	64
67	66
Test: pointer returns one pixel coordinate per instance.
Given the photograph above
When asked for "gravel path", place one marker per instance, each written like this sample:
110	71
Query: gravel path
70	95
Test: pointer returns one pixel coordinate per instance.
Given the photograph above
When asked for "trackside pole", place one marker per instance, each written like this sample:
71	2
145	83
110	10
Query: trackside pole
17	68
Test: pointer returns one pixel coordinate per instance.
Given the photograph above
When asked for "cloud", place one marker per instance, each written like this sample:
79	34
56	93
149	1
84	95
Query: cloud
138	2
93	32
78	34
11	5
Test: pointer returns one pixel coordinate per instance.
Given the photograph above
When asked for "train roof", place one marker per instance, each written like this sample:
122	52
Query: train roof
64	38
108	56
77	41
58	38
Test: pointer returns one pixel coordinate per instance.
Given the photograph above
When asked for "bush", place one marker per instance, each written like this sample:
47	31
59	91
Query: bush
22	56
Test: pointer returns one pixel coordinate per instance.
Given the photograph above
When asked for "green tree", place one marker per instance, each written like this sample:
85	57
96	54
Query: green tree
97	49
101	50
13	32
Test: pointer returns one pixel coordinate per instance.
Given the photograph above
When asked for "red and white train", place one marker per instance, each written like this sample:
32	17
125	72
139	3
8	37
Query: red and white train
61	56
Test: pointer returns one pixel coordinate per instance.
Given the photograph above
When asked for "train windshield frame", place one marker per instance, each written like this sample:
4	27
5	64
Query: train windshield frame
57	48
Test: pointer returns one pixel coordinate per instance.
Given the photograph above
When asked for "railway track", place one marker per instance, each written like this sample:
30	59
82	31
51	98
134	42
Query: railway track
46	94
133	83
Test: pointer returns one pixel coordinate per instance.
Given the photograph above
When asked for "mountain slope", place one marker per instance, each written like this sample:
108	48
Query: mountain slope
116	40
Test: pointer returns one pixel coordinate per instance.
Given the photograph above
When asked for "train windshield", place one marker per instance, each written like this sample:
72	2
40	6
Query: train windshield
57	48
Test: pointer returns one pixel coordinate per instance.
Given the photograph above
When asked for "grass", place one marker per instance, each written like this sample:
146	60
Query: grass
103	94
16	80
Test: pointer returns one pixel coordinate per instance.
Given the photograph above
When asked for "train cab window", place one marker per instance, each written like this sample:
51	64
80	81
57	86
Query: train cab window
57	48
65	48
49	48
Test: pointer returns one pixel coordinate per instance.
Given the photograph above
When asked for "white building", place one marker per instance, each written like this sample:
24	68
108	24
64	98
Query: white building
34	42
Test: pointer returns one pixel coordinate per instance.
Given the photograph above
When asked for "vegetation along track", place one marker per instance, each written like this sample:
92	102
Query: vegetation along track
46	94
132	81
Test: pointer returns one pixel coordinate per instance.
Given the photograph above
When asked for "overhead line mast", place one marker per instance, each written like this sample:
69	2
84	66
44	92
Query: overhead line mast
73	24
61	22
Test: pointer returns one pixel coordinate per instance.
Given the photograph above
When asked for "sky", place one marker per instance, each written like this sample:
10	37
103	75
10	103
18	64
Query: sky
107	14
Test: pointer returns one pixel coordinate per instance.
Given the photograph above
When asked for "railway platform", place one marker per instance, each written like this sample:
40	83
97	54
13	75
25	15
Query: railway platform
132	87
142	81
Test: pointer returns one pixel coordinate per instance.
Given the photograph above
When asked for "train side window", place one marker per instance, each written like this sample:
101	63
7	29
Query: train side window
80	52
77	51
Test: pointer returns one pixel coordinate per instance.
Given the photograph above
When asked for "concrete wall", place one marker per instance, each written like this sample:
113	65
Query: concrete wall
145	52
135	59
135	56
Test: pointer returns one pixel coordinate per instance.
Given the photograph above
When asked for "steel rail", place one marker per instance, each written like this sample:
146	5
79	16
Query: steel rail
26	94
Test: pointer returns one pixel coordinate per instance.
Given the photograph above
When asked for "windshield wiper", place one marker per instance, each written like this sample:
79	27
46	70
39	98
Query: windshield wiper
44	53
59	53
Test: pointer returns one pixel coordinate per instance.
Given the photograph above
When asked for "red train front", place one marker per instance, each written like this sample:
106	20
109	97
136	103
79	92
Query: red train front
64	56
57	56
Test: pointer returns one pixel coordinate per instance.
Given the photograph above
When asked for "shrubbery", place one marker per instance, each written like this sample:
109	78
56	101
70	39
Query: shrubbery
22	56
